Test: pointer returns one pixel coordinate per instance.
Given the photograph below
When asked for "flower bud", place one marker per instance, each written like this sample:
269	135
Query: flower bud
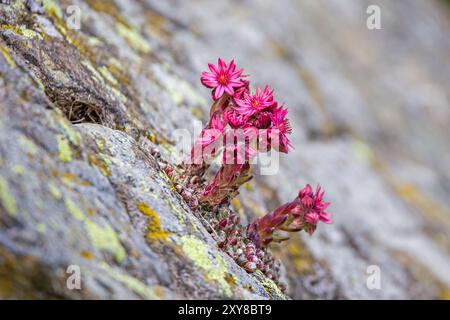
250	266
193	203
223	223
155	152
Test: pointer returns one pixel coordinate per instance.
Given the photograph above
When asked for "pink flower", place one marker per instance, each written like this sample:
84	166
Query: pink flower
222	78
303	213
250	104
311	208
239	92
241	145
207	146
279	120
263	120
215	131
234	119
281	127
217	123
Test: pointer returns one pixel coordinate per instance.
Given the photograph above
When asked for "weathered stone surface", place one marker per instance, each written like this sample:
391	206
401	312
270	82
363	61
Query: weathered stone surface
79	110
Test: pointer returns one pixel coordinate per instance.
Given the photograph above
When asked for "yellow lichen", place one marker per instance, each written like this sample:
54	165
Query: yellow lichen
64	151
71	179
215	268
303	261
40	84
88	255
74	210
155	232
28	144
116	69
108	7
7	56
23	31
100	163
180	90
445	294
133	38
105	238
96	76
429	207
7	199
119	95
107	75
101	143
363	152
237	204
41	228
175	208
52	8
54	191
19	169
132	283
270	286
73	136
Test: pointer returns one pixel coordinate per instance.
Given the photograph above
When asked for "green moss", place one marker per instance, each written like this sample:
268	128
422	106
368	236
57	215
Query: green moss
64	151
105	238
7	199
132	283
133	38
215	269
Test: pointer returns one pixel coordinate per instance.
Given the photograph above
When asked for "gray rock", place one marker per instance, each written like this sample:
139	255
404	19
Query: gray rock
79	110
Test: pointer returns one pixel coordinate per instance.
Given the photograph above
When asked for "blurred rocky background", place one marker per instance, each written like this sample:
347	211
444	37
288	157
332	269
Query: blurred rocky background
82	104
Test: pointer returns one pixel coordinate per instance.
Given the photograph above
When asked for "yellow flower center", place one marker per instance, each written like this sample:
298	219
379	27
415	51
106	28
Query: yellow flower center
222	79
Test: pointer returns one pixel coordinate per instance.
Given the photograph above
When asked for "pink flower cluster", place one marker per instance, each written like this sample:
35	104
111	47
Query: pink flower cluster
303	213
242	123
239	108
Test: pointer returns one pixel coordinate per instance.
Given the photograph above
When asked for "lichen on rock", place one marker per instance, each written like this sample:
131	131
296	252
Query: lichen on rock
81	110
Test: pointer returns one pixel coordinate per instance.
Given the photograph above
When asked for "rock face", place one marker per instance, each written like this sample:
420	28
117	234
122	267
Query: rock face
80	109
